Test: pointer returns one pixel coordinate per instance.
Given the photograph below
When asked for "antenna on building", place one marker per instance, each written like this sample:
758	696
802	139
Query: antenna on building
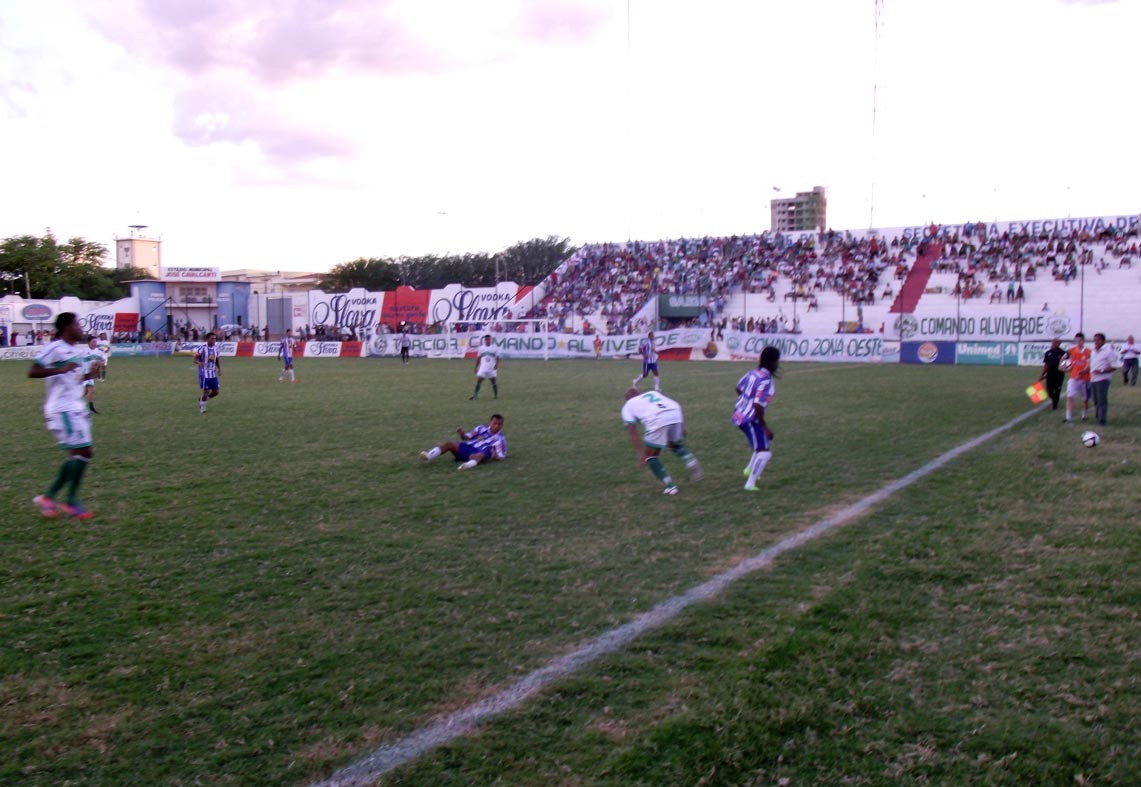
137	228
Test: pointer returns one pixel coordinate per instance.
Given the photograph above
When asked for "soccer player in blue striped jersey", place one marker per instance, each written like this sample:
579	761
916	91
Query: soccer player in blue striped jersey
484	443
285	353
649	362
754	393
209	363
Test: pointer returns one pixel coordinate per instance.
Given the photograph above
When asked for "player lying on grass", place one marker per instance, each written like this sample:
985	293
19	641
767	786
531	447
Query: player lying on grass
484	443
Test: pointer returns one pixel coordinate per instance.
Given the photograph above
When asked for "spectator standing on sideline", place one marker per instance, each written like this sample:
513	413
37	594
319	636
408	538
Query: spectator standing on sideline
1129	355
1078	385
1103	361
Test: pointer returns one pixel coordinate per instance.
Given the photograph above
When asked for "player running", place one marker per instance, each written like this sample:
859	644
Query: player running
649	362
61	365
754	393
484	443
662	425
209	363
486	367
285	353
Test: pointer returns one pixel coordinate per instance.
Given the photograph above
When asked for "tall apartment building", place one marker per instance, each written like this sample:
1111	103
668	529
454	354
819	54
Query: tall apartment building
806	212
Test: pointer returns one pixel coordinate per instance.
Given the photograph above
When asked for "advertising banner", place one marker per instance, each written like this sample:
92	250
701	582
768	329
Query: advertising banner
320	349
359	309
1031	353
111	318
28	353
678	344
405	304
987	353
456	303
37	312
1000	323
927	352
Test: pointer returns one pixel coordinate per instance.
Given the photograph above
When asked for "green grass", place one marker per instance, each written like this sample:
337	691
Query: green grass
273	589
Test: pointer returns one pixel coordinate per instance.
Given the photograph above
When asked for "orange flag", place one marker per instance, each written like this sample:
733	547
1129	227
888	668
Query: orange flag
1037	393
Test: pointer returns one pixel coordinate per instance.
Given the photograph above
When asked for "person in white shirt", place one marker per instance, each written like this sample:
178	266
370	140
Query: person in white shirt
1129	354
1103	361
89	360
662	425
486	367
103	346
60	365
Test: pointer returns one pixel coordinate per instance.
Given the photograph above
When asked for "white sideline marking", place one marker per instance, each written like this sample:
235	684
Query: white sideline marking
459	723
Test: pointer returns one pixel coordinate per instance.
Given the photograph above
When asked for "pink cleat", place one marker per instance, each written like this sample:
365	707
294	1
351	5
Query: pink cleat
46	506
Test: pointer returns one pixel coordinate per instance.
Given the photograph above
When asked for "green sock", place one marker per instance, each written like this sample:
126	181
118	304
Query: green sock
495	389
61	478
656	467
78	467
475	393
683	453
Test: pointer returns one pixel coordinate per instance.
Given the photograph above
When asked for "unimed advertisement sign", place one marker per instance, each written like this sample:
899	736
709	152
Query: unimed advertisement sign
987	353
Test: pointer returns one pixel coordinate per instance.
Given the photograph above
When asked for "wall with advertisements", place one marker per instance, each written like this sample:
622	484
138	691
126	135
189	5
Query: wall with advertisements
680	344
987	353
927	352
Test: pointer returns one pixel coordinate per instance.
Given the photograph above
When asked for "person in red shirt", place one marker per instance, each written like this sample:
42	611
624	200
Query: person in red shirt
1078	385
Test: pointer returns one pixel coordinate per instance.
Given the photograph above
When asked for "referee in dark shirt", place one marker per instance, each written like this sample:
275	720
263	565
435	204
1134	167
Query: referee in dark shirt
1053	376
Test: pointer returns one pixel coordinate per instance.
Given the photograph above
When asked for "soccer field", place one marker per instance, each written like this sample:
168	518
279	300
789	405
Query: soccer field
274	589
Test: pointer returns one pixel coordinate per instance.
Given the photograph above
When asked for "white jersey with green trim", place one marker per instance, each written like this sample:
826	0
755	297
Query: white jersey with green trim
488	357
652	410
63	392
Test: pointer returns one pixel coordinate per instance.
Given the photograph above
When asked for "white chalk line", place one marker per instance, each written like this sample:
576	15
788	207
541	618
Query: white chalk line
459	723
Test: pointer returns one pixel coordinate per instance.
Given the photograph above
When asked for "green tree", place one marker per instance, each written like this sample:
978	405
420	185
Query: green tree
55	269
527	263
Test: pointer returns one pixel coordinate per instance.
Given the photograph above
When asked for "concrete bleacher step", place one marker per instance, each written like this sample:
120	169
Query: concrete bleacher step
916	282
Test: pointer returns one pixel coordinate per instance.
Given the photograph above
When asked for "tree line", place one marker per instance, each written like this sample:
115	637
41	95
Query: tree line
526	263
45	268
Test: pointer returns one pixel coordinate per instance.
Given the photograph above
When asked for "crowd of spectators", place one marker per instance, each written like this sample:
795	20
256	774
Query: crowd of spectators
1015	258
608	284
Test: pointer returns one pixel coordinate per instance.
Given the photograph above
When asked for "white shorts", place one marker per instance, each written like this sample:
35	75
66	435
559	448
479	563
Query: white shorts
71	429
489	375
1076	388
664	435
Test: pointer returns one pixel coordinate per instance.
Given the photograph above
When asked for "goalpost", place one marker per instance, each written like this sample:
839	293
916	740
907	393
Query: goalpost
516	338
530	333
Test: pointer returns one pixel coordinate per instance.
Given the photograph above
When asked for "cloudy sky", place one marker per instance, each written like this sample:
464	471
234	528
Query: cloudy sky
298	134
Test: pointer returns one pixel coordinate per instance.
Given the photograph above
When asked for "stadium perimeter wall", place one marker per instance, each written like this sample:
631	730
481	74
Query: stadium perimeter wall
686	344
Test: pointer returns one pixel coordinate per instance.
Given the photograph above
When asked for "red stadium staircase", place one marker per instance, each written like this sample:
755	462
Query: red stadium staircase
916	281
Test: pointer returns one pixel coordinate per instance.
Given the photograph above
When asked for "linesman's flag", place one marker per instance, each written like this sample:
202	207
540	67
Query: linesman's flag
1037	393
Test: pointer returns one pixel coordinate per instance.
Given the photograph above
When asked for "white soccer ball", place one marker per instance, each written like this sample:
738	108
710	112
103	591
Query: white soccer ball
1064	364
1090	439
